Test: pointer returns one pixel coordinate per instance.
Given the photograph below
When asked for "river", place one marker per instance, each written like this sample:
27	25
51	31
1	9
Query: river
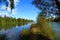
13	33
56	26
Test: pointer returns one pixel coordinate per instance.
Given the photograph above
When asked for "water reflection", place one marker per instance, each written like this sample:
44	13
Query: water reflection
13	33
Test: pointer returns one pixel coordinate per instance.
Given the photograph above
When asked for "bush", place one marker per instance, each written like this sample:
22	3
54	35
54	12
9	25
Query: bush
24	35
39	31
34	29
45	28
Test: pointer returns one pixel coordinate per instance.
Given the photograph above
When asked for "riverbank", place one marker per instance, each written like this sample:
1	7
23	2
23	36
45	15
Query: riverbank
13	33
10	22
39	31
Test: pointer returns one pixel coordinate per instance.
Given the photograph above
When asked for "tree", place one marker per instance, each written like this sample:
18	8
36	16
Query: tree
48	6
58	5
7	3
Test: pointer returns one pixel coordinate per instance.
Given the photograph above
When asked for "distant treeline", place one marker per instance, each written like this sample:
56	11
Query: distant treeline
9	22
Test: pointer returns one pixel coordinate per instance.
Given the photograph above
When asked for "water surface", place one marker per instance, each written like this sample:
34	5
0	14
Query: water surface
13	33
56	26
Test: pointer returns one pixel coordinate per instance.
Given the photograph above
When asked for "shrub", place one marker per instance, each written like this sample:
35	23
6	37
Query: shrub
45	28
24	35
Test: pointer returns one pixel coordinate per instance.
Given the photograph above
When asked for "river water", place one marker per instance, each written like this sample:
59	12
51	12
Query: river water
56	26
13	33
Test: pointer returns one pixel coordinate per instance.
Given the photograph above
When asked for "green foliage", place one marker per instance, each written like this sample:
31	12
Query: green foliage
33	34
23	21
50	19
9	22
34	29
12	4
45	28
24	35
42	27
45	6
24	32
57	19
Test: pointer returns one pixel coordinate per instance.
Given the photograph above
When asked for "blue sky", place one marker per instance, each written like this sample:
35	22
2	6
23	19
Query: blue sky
23	9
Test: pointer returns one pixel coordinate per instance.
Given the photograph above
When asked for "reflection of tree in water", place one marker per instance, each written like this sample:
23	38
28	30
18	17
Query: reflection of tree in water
9	22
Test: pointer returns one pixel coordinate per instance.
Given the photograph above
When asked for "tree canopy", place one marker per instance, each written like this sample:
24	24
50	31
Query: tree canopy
48	6
8	3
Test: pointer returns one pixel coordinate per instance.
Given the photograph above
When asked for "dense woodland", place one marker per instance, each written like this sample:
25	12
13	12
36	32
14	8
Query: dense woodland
9	22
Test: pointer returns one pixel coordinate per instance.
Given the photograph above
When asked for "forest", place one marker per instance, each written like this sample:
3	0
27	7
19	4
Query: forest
9	22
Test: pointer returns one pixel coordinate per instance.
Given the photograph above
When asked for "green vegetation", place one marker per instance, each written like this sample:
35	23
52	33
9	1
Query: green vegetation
45	28
9	22
37	33
45	6
32	35
23	21
57	19
52	19
42	30
24	35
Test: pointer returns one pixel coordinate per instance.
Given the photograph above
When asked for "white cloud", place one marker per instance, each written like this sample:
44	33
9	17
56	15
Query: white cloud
3	7
8	9
16	1
13	11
